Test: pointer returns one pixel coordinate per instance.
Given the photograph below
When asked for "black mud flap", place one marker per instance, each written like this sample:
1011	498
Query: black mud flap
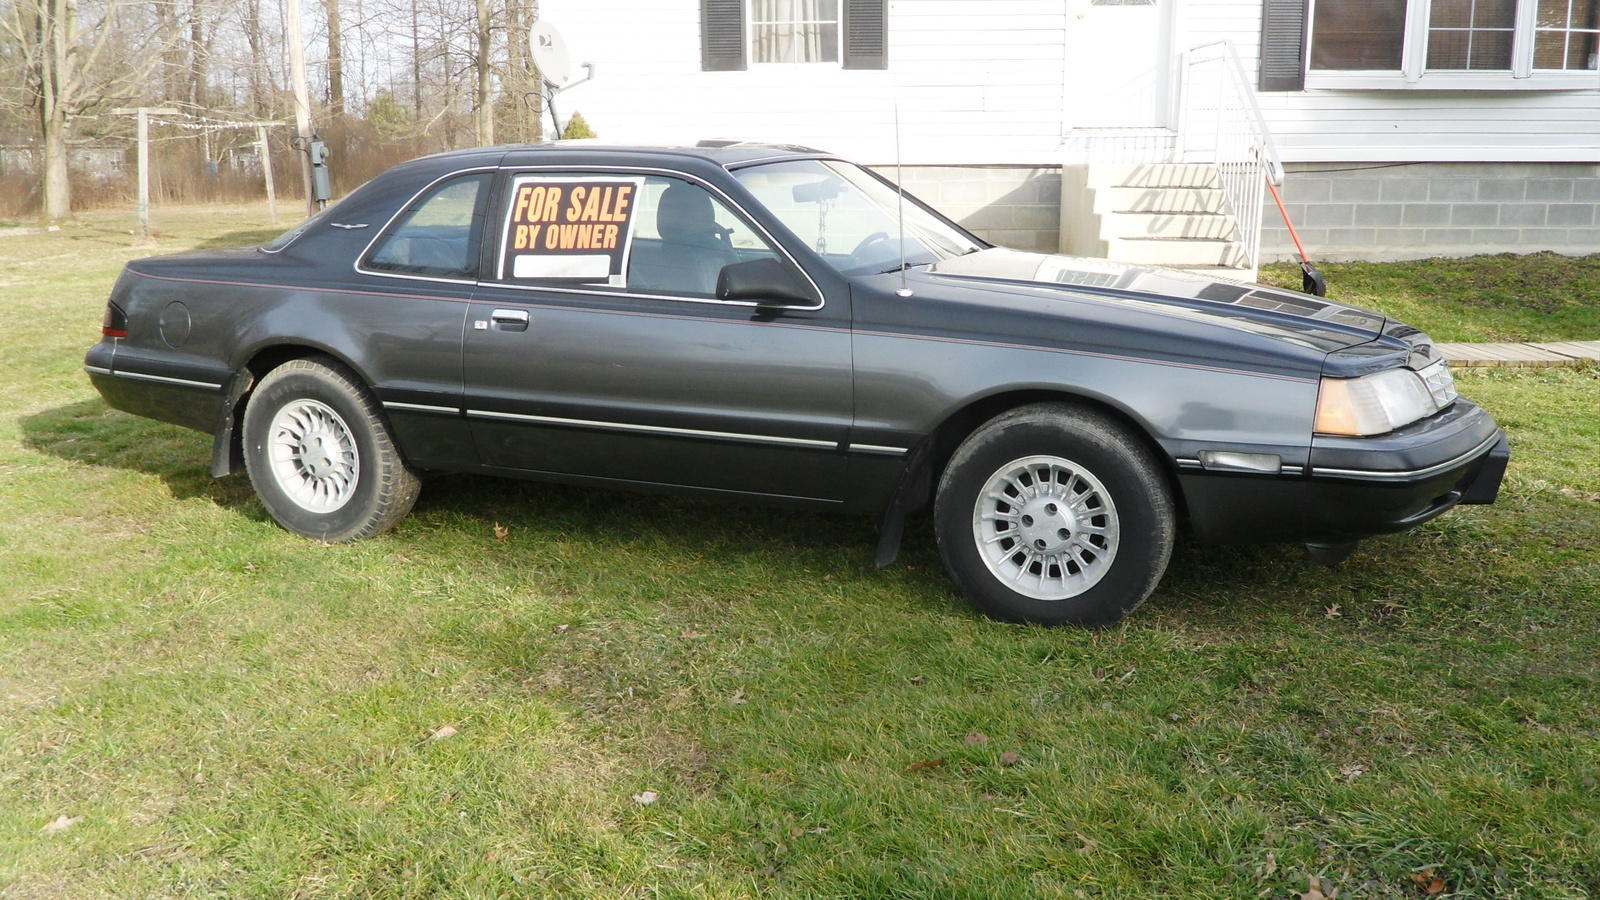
913	490
227	456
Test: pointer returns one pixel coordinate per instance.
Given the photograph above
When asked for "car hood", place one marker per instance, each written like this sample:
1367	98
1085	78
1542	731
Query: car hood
1290	315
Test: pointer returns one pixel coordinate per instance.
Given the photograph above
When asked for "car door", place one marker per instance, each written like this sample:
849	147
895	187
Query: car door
596	348
404	305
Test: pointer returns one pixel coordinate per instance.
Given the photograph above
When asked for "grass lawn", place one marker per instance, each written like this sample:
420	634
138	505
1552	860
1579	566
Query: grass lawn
1536	297
196	703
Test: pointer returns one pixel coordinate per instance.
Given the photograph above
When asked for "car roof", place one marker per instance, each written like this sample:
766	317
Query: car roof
724	154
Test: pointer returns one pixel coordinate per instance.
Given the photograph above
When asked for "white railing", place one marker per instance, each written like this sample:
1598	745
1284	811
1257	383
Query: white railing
1129	145
1220	123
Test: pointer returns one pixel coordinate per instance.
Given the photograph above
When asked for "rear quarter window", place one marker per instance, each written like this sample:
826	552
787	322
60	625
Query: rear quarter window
437	236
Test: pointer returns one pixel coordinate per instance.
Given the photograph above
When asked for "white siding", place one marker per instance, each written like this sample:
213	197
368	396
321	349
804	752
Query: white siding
1402	125
975	82
983	83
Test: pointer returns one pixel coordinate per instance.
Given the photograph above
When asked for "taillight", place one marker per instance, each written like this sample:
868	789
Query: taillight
115	323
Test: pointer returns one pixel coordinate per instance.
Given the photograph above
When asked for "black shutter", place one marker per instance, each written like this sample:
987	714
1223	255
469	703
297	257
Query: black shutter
866	34
722	35
1283	45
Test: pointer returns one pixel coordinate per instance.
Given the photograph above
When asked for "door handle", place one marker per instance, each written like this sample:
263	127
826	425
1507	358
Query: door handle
509	319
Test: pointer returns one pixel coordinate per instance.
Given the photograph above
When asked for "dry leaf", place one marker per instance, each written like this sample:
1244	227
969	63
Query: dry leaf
1270	867
501	532
561	629
1428	882
61	823
1352	772
738	697
442	732
690	634
1318	889
976	738
645	798
1009	758
925	764
1332	612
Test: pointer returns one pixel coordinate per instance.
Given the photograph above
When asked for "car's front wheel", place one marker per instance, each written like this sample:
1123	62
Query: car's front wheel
1056	515
320	455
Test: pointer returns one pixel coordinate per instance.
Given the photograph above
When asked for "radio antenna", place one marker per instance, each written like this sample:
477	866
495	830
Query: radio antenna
900	203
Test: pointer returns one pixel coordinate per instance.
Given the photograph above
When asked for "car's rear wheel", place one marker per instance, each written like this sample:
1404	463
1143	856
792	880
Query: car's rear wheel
1055	515
320	455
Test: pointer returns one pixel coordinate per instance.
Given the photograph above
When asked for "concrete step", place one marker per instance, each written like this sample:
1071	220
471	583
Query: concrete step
1163	252
1152	175
1164	200
1195	226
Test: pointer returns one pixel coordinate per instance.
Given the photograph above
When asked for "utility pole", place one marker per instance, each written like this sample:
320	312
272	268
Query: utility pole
302	98
144	113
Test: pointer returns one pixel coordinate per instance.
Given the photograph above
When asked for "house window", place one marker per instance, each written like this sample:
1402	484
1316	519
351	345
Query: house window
1566	33
1437	44
1359	35
1471	34
794	31
852	34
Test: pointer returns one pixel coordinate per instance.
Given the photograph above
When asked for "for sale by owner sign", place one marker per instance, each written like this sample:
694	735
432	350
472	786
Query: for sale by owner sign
569	229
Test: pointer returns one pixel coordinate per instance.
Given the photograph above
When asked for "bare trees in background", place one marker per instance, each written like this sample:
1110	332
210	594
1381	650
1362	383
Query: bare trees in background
390	79
69	59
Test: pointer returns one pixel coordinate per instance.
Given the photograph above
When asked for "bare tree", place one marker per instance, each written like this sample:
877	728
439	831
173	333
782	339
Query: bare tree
483	102
70	68
335	61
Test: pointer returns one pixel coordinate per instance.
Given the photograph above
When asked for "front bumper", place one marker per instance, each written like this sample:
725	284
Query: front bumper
1358	487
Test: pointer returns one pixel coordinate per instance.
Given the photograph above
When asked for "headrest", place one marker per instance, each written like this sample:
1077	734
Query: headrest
685	215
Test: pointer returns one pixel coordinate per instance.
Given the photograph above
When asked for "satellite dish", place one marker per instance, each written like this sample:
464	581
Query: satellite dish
549	53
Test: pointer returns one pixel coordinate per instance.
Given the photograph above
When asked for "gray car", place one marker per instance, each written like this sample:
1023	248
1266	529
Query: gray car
776	324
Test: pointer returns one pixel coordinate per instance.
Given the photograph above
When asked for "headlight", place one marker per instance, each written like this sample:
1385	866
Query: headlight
1383	401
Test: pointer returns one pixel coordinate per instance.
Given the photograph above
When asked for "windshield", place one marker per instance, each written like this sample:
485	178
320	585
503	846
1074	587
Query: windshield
850	217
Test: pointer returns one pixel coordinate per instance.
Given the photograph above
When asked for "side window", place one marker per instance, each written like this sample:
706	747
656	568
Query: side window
636	233
685	237
438	236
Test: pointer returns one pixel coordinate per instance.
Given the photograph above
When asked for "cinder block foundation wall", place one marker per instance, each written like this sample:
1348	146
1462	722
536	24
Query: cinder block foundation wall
1013	206
1342	211
1414	210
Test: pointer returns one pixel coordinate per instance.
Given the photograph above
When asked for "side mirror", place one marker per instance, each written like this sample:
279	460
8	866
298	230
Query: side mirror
765	281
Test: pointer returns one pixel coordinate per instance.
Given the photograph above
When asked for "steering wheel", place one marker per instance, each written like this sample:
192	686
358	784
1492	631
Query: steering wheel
869	240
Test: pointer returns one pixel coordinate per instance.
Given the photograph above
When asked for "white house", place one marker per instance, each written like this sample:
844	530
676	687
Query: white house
1406	127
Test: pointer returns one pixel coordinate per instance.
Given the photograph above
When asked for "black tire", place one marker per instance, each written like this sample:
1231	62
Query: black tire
320	455
1089	559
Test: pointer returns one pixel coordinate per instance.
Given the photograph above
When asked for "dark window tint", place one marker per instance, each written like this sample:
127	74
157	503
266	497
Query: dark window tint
1357	35
438	235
